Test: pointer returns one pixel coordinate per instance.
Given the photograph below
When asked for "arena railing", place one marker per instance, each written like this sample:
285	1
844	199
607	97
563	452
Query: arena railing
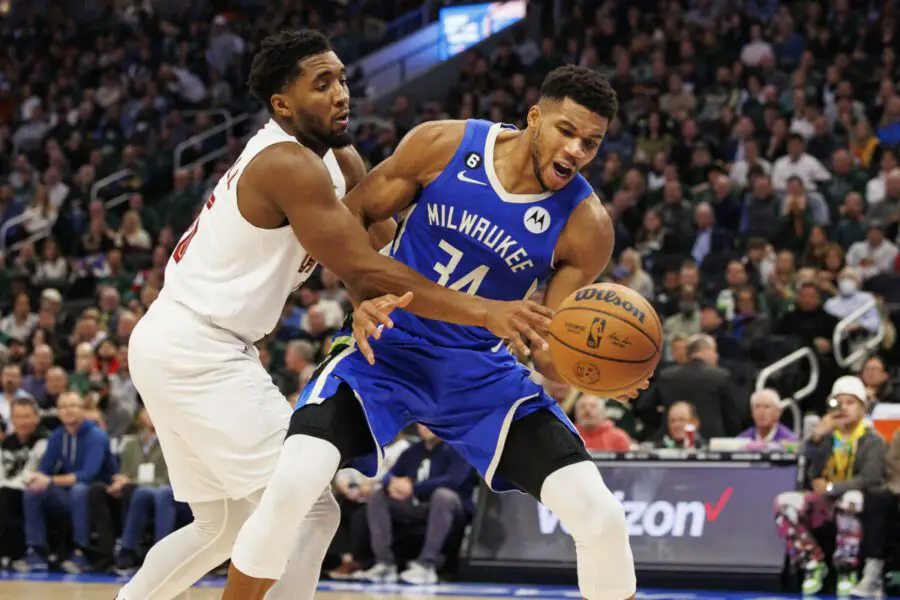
783	363
227	127
842	330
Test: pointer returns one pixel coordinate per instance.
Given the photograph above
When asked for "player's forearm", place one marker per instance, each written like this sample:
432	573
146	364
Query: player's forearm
543	364
430	300
382	233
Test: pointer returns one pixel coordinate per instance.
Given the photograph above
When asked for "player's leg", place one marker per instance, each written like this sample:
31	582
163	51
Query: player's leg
543	457
320	438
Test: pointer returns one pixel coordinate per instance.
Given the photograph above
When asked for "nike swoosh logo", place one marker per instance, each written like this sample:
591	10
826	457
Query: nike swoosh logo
462	177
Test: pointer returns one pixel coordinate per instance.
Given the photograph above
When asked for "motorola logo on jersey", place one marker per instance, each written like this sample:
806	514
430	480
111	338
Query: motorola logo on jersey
537	219
473	160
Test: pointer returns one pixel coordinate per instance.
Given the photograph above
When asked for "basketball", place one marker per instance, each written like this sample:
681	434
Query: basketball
605	338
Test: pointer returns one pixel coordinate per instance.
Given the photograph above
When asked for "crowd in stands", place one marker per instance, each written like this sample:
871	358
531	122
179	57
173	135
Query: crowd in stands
752	175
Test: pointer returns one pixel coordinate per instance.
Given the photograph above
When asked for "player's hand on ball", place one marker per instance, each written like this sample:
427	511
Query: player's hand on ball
371	315
635	391
512	320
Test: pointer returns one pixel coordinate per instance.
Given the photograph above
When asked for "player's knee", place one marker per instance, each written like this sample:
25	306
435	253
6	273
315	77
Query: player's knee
578	495
328	513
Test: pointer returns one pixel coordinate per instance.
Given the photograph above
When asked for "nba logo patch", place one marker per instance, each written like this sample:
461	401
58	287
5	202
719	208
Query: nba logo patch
537	219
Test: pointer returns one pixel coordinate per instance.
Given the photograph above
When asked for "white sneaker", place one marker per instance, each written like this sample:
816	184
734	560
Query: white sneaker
871	585
380	573
419	574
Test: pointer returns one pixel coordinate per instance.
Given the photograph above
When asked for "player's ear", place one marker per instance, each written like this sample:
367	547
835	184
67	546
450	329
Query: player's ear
280	105
534	116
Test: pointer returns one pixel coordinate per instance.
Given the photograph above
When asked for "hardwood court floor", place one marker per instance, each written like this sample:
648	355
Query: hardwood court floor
60	587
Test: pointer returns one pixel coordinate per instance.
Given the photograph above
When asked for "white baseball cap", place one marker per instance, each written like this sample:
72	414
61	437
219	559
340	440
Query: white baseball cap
850	385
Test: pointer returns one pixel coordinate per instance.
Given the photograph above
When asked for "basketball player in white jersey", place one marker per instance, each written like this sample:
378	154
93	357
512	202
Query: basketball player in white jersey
275	213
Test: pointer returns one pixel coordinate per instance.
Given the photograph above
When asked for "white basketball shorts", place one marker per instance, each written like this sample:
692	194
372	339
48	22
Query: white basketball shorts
219	418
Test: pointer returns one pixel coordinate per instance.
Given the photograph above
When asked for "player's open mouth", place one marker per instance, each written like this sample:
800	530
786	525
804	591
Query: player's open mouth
563	170
343	119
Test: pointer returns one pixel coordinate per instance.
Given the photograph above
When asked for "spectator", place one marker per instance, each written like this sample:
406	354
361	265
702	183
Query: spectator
595	428
767	430
78	454
844	459
875	255
430	483
20	454
35	384
709	386
21	322
879	387
798	163
12	389
680	418
637	278
143	485
881	509
851	298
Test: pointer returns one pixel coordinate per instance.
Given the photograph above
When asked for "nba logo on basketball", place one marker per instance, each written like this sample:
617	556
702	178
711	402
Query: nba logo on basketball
595	333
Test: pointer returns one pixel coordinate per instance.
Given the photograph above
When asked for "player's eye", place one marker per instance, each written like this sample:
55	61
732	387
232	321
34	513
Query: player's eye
323	87
590	144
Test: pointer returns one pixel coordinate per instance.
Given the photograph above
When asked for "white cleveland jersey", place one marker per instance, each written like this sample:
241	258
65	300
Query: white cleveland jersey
238	275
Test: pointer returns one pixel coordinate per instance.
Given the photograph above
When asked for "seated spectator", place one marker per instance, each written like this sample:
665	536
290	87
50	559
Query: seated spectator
851	298
881	508
20	323
430	483
709	386
879	387
143	486
77	455
598	432
11	382
767	430
875	255
20	454
681	420
844	459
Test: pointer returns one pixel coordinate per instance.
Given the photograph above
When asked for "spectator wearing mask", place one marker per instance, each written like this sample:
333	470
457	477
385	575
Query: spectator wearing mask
844	459
767	430
20	454
851	298
78	454
881	508
430	483
680	418
595	428
709	386
875	255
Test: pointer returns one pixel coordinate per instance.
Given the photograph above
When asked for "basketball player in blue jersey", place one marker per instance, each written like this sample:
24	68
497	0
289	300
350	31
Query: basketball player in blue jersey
494	212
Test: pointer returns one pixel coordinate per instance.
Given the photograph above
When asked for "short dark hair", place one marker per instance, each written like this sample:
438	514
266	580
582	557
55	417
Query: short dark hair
278	61
584	86
26	401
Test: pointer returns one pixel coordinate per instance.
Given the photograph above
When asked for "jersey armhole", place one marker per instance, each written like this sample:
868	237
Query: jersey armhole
471	127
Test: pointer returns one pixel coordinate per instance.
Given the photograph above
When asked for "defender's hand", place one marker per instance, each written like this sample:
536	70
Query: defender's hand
370	315
512	320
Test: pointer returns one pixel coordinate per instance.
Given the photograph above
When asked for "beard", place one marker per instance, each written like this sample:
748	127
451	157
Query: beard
536	160
324	137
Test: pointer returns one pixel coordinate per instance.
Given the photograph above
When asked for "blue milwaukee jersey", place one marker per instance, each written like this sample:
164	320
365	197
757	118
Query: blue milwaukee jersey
465	232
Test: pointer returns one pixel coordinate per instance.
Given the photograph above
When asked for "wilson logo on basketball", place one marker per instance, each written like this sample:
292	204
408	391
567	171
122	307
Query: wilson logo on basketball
590	293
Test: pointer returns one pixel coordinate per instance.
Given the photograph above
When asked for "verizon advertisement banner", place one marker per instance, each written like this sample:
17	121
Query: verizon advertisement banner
700	515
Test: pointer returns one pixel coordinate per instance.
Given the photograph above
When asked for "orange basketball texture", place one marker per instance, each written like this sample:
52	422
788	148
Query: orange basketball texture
605	338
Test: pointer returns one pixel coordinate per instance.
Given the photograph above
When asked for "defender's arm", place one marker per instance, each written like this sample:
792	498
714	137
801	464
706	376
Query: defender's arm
354	169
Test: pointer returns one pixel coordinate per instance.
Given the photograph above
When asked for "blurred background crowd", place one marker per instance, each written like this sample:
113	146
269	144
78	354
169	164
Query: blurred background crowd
753	175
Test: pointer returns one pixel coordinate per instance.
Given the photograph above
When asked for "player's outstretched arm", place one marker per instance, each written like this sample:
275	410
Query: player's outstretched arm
296	182
392	185
354	169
